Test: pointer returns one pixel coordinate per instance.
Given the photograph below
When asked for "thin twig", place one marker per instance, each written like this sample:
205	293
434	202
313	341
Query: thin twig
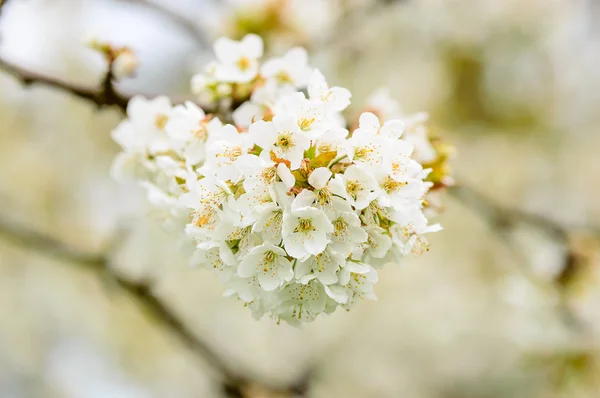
234	384
504	219
106	95
99	263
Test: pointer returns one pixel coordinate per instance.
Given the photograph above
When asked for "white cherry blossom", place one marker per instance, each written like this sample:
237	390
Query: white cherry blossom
357	186
289	208
269	263
281	138
291	69
238	60
334	98
304	231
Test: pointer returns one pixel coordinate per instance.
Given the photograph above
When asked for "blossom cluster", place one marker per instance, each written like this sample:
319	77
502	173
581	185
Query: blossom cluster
294	212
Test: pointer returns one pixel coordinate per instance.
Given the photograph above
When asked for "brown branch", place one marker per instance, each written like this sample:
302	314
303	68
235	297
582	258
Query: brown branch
102	96
141	292
105	95
504	219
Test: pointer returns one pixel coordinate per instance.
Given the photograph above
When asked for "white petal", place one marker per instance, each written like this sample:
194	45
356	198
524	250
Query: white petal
263	133
269	280
247	266
337	293
317	84
253	45
393	128
286	175
296	56
339	98
368	122
319	177
304	199
225	49
295	248
316	244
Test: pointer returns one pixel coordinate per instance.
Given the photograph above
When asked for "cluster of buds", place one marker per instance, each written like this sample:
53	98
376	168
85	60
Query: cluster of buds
294	212
122	60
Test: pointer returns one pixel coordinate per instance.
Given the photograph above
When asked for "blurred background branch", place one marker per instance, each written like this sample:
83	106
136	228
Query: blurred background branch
141	292
510	78
105	95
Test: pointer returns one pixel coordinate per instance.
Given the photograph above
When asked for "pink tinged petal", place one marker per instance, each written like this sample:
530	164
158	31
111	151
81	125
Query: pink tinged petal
319	177
369	123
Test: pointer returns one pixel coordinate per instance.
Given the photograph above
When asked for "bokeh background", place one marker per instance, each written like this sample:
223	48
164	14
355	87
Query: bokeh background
504	305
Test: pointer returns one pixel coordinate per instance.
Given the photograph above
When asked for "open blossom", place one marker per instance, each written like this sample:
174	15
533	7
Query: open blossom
269	263
238	61
293	212
334	98
305	230
357	186
281	137
291	69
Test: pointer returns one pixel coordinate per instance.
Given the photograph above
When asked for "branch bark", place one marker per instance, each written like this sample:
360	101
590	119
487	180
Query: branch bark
141	292
503	219
103	96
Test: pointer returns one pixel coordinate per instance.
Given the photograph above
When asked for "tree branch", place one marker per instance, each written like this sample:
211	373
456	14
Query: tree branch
141	292
504	219
103	96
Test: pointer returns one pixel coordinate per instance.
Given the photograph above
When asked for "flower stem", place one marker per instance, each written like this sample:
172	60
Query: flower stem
336	161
